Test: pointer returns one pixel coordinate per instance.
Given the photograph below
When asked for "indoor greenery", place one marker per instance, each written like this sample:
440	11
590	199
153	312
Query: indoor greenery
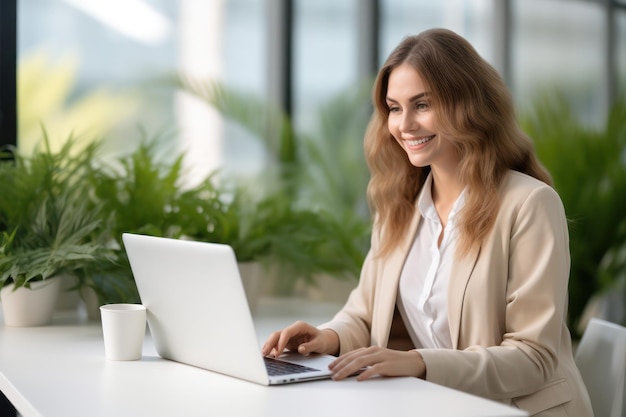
48	224
588	166
299	243
314	181
142	192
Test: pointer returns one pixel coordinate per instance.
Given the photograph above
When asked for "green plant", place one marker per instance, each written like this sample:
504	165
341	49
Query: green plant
306	243
589	171
144	192
135	191
312	207
47	222
301	243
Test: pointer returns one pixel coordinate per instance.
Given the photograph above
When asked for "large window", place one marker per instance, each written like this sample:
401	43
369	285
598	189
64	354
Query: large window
469	18
97	67
558	48
325	54
85	68
104	69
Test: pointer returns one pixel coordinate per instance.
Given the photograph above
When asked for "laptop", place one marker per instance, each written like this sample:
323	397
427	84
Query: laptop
198	313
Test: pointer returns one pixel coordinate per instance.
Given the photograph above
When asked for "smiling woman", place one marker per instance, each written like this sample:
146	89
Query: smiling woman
469	261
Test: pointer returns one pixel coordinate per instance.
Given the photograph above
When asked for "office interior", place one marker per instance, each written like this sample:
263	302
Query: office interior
129	72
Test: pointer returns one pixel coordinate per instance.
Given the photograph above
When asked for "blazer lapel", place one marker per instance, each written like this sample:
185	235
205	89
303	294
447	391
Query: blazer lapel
392	271
459	277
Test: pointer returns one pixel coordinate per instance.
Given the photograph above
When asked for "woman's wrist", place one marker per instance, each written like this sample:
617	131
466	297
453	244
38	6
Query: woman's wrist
331	342
421	365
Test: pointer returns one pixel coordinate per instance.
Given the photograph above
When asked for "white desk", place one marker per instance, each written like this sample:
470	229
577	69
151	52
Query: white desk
60	370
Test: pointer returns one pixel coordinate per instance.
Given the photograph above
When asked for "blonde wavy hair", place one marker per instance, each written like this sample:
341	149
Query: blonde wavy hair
474	110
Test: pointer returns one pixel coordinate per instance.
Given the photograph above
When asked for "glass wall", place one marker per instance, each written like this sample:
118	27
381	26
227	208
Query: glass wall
99	67
473	19
557	48
106	69
245	64
84	69
324	55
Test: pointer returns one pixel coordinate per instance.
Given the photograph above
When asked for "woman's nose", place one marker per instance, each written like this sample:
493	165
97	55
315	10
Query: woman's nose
408	122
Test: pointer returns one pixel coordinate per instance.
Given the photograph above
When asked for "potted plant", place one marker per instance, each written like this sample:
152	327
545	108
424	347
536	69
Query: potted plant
301	243
272	238
144	192
48	226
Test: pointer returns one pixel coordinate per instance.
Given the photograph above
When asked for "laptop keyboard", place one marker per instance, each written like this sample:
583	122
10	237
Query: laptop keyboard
277	367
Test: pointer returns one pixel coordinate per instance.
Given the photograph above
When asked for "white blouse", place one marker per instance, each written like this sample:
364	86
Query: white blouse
423	289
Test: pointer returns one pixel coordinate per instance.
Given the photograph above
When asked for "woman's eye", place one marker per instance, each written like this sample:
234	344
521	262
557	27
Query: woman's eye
393	109
422	106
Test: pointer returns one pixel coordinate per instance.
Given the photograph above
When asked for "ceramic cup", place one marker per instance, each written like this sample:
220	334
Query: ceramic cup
123	328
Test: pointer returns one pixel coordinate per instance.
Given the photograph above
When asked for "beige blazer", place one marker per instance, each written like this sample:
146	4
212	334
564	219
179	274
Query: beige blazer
507	305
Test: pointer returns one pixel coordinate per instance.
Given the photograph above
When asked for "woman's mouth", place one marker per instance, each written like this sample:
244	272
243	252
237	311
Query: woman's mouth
416	142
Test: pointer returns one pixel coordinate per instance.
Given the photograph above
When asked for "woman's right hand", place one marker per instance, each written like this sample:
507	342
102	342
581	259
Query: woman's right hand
301	337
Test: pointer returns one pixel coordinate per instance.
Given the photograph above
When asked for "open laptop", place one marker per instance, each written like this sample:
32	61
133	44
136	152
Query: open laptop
198	313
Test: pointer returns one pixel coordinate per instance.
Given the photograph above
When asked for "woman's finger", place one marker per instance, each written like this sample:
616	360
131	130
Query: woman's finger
375	361
270	343
293	336
354	363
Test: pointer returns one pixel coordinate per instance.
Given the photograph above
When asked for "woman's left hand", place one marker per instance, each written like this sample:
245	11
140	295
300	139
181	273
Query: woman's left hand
377	361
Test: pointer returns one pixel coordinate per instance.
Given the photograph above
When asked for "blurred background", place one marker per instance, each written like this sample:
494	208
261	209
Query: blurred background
200	76
88	65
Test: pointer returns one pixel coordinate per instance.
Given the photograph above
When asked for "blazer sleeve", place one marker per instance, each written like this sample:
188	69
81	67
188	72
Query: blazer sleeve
536	269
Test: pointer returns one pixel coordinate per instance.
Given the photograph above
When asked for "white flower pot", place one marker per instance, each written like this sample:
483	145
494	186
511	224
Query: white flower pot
30	306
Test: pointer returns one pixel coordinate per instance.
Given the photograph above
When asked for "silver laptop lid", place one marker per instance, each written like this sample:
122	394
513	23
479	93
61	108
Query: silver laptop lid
197	308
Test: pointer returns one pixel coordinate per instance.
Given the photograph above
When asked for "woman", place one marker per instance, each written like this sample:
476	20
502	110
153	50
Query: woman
465	284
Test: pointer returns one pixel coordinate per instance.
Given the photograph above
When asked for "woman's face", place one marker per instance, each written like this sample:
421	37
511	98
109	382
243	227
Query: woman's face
412	121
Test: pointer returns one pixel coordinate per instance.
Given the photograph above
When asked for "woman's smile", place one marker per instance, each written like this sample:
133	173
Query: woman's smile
417	142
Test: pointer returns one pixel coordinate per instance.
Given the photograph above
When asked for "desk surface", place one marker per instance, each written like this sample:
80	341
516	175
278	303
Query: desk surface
60	370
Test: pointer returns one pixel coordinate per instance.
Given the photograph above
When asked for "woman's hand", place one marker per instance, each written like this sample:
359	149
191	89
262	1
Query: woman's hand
302	337
376	361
